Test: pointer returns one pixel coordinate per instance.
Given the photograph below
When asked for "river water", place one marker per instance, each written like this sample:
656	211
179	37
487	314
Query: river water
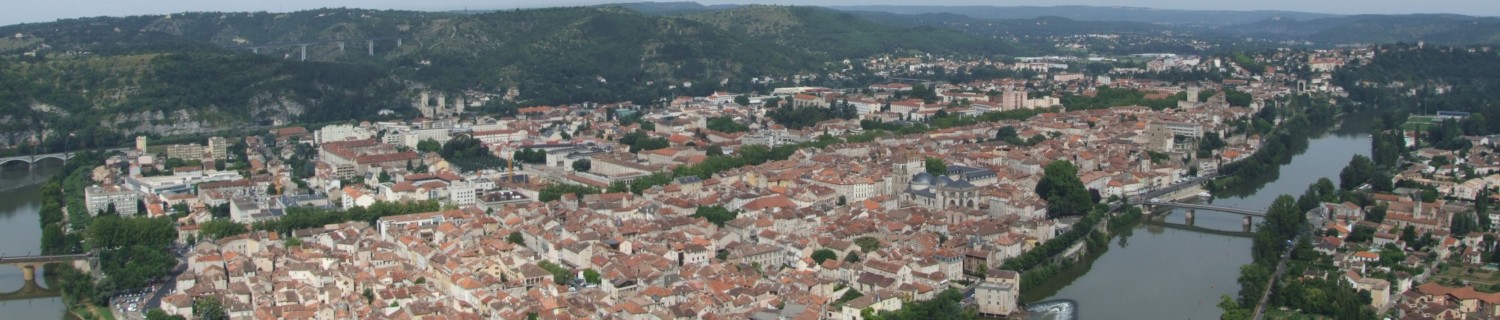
20	193
1157	272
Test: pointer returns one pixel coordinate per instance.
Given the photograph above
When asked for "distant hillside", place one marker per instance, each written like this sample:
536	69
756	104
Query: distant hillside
173	74
1374	29
669	8
1092	13
842	34
1048	25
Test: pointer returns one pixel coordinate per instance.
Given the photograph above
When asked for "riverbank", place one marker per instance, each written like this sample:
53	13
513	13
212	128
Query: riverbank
1179	273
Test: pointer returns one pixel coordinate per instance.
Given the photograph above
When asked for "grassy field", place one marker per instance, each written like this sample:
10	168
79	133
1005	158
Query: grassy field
94	312
1419	123
1474	275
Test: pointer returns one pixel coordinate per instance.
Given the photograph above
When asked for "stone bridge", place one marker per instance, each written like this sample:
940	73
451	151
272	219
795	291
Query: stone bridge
29	265
31	159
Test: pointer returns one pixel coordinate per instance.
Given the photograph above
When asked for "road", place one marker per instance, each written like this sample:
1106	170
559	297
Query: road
1153	193
1265	297
152	300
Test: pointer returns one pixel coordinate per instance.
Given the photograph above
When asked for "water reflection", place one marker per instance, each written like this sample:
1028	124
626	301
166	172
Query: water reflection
20	191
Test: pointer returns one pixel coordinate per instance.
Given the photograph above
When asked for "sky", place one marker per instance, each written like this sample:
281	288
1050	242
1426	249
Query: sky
23	11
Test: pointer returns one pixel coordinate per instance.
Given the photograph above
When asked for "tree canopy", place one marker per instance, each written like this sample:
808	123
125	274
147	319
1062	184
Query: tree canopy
1064	192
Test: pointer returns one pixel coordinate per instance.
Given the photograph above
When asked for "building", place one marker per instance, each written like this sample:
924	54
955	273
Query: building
98	199
140	143
218	147
941	192
1192	130
186	151
243	210
999	294
341	132
1012	100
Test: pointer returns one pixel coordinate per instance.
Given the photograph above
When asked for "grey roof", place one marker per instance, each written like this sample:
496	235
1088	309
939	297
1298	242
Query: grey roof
922	178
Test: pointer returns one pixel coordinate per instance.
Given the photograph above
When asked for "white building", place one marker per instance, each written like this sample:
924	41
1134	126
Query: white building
341	132
99	198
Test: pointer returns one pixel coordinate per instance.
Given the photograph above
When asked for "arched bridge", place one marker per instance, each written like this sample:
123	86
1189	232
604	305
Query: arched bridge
1233	210
30	159
28	265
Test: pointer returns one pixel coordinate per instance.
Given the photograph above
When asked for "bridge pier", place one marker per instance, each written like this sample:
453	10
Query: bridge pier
370	46
255	50
28	272
1190	215
304	52
341	47
398	42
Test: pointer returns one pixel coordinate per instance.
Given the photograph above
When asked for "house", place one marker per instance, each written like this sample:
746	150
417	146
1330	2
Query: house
999	294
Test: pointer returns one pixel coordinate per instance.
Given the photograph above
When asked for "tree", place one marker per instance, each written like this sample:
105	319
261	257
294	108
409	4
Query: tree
591	276
209	308
1462	224
218	229
157	314
1482	209
936	167
516	238
867	244
717	215
725	124
582	165
1006	133
1232	309
842	201
1064	192
852	257
824	255
429	145
1360	170
743	100
1377	213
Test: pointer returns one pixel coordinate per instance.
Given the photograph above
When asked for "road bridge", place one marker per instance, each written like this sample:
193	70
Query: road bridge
32	159
28	265
1194	206
369	44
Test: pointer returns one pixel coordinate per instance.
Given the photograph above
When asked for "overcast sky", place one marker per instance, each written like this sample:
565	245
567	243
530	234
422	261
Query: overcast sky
21	11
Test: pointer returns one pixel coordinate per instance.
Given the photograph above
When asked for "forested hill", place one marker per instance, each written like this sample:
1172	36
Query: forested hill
1423	80
842	34
1376	29
175	74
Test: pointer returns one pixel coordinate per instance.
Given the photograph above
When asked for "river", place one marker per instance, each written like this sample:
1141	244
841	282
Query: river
20	193
1156	272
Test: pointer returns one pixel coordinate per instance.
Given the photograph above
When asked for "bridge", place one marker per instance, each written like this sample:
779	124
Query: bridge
64	156
28	265
369	44
31	159
1239	211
